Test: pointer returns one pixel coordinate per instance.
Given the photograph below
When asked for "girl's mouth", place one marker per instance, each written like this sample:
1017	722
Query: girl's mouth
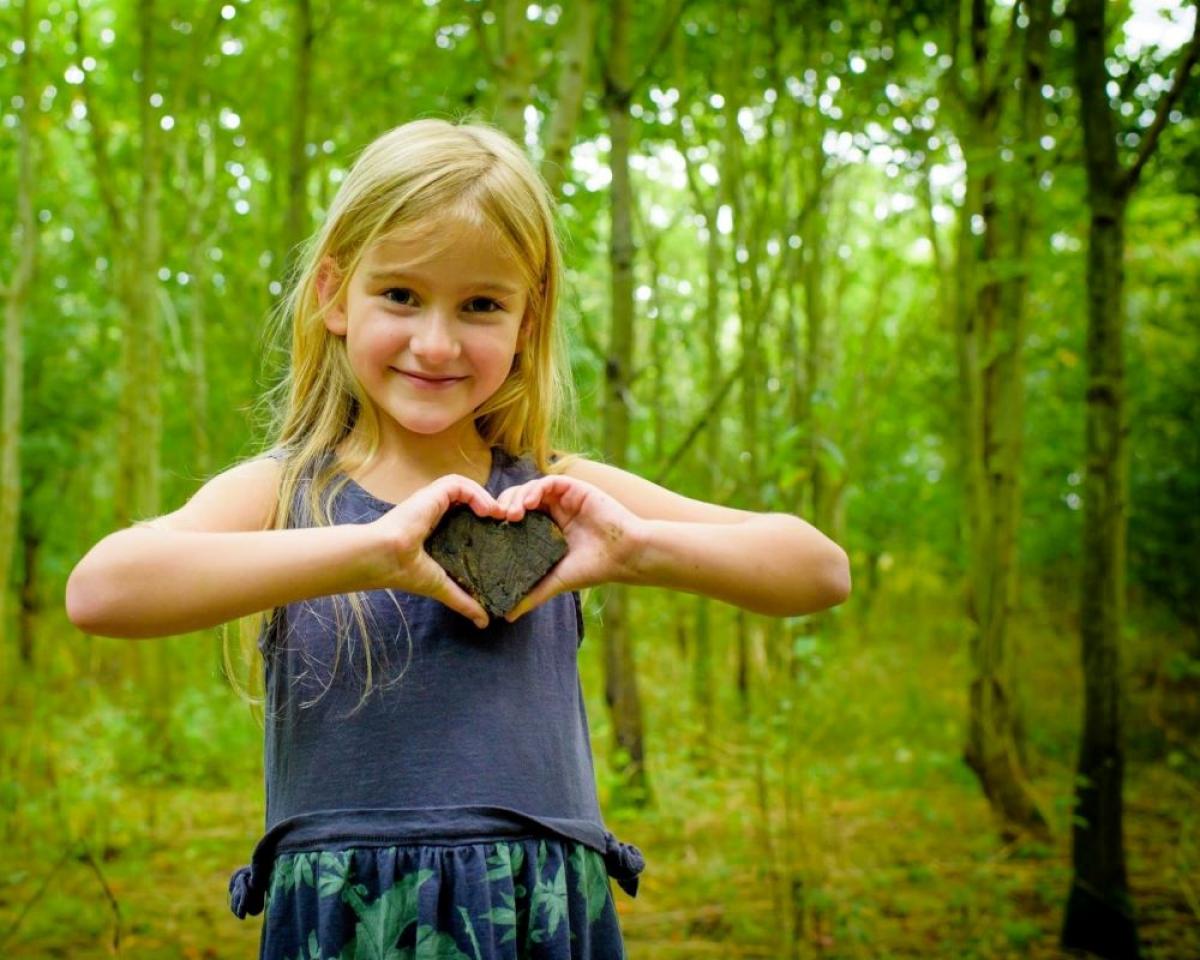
429	383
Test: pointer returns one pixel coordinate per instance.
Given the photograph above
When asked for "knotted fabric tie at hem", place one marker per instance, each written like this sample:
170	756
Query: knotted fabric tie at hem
245	896
624	862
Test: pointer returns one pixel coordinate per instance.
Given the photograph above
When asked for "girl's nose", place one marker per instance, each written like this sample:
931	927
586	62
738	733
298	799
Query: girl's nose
435	339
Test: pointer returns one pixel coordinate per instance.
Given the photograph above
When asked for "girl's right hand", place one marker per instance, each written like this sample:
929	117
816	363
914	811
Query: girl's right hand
405	528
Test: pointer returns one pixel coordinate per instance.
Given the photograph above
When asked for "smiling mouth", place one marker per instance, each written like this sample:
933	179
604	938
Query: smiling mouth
426	379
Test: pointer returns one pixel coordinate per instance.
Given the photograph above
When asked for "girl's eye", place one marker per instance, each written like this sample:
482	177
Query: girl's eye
403	291
403	297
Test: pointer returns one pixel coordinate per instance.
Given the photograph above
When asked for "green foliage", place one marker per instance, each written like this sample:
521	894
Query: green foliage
832	804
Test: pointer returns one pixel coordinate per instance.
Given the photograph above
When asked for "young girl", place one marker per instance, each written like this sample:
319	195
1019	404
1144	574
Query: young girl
429	781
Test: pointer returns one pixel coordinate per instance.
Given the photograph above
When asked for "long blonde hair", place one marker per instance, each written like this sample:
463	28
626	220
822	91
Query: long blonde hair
402	185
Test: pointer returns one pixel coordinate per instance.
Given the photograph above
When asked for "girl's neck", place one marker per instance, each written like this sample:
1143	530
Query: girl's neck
423	458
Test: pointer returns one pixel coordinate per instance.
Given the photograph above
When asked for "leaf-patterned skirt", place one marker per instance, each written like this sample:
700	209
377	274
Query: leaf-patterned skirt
536	898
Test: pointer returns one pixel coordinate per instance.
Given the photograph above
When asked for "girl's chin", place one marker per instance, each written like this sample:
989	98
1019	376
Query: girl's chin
430	426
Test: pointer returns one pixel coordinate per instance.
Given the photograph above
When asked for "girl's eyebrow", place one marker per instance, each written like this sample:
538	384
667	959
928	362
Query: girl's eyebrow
391	273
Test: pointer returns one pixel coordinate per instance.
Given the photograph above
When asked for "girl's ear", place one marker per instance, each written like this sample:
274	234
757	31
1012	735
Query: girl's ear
327	284
523	332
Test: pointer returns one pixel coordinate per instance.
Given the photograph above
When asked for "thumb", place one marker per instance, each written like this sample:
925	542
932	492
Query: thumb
446	591
547	588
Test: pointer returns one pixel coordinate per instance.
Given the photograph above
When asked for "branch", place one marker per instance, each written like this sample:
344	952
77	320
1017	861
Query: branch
666	30
1130	178
713	405
98	140
485	45
951	77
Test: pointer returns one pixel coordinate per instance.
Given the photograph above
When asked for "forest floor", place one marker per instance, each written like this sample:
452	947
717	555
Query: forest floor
841	823
906	873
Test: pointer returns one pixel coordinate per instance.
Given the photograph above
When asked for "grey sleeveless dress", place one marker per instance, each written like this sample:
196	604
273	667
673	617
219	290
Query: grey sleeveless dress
454	812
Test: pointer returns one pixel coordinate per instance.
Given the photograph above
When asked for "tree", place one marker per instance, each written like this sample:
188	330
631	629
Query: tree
989	314
15	295
1099	915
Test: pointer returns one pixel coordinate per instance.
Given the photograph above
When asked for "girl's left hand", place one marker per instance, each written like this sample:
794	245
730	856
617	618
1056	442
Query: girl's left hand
603	536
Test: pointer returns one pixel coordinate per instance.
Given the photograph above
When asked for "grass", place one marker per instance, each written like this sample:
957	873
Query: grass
835	819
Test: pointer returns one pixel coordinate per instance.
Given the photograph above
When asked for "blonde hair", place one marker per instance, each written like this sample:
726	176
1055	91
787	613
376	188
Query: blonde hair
406	183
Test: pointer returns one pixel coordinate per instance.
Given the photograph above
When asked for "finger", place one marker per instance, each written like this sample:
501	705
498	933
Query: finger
545	589
510	502
461	489
456	598
547	490
446	591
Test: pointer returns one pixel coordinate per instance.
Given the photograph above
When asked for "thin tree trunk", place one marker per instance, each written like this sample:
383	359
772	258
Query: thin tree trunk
702	658
621	687
296	224
1099	913
1025	179
568	104
702	669
201	184
30	605
990	450
816	370
516	70
731	176
16	301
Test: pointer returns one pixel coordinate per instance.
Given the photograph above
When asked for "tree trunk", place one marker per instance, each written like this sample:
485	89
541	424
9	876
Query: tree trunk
621	687
30	605
16	300
748	325
816	368
988	353
198	315
702	680
1099	913
702	665
568	104
515	70
296	225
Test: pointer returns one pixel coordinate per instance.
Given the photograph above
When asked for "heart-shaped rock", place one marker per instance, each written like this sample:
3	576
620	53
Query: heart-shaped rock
496	561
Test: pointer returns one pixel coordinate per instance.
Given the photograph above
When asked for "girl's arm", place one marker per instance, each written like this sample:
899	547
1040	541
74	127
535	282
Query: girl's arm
630	530
772	563
148	581
212	560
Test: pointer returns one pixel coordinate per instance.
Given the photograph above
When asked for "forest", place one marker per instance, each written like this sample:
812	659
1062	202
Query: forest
917	272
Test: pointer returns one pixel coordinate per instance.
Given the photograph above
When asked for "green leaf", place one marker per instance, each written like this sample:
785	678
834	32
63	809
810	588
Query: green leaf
432	945
589	866
500	863
382	922
334	870
465	915
551	898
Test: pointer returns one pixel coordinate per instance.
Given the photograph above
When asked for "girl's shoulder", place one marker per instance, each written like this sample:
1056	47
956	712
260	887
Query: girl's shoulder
240	498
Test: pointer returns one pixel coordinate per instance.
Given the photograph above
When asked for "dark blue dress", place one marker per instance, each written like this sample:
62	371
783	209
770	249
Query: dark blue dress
453	812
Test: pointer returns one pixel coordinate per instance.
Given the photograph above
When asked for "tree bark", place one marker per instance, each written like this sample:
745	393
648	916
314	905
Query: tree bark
568	104
518	71
621	686
16	301
988	349
1099	913
296	225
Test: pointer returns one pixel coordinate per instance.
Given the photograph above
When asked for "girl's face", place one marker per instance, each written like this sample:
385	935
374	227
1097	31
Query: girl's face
430	339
